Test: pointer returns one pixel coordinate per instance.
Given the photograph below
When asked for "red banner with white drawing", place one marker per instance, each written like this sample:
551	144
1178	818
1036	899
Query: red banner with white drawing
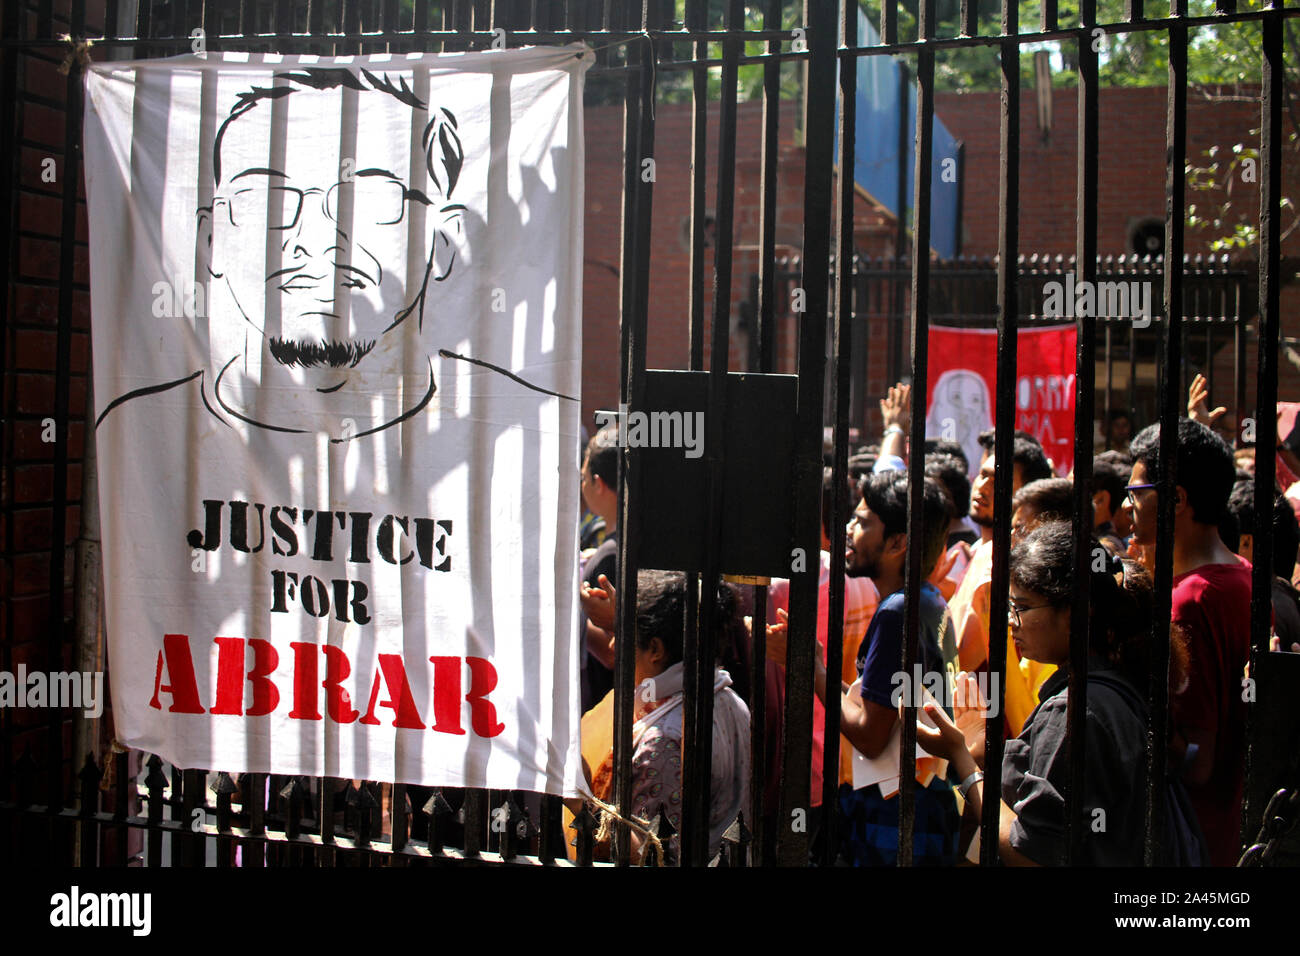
963	388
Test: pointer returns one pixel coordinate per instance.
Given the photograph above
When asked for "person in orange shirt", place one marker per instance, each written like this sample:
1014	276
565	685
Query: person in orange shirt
970	606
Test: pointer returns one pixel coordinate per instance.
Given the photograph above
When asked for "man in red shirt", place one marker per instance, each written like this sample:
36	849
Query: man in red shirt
1211	602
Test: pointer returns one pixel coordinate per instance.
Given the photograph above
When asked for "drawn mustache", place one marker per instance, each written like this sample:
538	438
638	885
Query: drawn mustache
291	352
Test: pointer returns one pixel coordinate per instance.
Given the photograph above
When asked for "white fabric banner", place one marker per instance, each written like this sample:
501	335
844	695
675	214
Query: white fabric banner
336	308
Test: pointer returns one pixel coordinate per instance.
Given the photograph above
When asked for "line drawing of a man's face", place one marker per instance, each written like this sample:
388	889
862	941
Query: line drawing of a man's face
962	397
322	266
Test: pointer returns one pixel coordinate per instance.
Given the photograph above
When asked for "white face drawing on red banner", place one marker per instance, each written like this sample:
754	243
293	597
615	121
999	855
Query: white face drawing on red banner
961	410
963	368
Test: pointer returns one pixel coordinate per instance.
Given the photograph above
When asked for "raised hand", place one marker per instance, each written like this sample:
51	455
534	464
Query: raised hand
1197	403
598	603
896	407
970	710
944	739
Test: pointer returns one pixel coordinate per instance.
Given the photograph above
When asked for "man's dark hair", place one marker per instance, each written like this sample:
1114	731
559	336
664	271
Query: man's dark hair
950	471
1111	477
1239	519
443	152
1117	457
861	465
1026	451
942	446
1204	468
602	455
1052	498
986	437
1116	414
886	495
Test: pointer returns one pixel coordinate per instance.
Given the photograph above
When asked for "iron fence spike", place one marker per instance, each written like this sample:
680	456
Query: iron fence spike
90	772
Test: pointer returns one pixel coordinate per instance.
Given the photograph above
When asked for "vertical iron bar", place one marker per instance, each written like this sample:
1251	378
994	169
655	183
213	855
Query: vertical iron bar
71	173
697	19
1110	381
326	854
154	782
1171	399
796	745
765	321
889	22
1209	356
1270	246
843	350
634	268
1239	335
1008	324
225	842
1132	371
8	241
255	806
915	575
697	14
1185	331
900	236
192	845
420	24
961	192
1084	403
697	755
399	818
474	808
122	799
88	837
767	203
969	21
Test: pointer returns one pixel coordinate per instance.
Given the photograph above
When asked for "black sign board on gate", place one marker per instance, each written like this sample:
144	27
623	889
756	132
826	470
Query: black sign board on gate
757	473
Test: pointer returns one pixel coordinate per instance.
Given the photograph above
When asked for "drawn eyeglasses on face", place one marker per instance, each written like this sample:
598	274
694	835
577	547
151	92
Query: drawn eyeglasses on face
375	201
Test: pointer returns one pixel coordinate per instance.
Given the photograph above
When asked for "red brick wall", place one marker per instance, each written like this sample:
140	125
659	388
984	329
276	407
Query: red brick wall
30	350
1130	168
1131	184
668	336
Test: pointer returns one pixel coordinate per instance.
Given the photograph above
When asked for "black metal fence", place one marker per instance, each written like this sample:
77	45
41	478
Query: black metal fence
1220	310
275	820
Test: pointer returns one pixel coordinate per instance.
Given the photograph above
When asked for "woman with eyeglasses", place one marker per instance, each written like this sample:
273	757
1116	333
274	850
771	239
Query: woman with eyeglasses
1035	767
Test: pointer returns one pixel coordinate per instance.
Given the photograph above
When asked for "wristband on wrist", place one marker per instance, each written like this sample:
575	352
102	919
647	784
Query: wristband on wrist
894	428
964	787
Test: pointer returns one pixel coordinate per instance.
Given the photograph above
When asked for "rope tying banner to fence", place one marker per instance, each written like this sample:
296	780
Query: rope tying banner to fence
609	815
79	52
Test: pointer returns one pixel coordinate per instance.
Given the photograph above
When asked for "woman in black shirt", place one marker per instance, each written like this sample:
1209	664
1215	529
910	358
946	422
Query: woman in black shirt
1034	769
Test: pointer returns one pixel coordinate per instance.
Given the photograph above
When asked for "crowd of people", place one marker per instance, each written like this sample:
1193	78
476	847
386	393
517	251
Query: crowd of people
1209	651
